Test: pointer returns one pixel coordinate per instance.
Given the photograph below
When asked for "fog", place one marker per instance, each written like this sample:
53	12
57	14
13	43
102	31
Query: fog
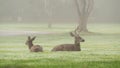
56	11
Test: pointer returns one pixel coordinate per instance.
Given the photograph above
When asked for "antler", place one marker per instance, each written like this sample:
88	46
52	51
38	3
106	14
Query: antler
77	30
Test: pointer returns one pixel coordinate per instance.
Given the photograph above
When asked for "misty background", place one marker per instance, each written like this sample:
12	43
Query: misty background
56	11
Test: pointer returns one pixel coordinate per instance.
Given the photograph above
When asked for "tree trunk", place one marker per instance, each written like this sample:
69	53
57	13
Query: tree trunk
84	29
84	25
49	25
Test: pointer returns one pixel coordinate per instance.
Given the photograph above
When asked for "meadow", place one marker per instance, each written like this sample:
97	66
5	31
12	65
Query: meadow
101	48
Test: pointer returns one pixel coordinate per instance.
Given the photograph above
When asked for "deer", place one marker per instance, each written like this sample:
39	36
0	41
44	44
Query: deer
70	47
31	46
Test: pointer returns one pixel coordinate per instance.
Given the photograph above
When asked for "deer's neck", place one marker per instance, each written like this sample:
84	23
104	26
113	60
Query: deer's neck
30	45
77	44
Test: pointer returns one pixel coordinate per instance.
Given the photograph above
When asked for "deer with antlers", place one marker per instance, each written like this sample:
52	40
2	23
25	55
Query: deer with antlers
70	47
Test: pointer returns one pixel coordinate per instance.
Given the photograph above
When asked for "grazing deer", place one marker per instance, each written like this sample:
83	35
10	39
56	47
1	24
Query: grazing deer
70	47
33	48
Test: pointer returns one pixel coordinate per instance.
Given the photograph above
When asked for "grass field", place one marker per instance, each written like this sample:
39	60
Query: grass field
100	50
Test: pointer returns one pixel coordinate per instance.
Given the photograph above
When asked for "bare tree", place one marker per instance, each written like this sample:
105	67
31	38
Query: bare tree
84	8
50	6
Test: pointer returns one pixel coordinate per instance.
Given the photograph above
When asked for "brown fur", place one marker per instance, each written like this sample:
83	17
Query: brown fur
33	48
70	47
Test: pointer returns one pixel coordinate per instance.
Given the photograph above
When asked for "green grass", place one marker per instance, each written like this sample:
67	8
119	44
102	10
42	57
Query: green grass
100	50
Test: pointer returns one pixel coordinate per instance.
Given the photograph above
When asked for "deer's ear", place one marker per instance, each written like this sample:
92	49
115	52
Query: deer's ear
33	38
29	38
72	34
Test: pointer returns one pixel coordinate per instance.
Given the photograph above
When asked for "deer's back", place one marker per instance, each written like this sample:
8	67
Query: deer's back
66	47
36	48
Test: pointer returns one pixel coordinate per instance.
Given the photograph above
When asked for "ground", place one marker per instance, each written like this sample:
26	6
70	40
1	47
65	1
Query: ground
101	48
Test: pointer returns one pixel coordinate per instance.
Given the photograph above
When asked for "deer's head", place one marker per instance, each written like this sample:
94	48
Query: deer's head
78	39
30	40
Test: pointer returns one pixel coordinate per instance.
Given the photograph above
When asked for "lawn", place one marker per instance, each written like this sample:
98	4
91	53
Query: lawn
101	48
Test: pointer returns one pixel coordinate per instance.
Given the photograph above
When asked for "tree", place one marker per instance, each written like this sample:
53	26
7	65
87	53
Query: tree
84	8
48	11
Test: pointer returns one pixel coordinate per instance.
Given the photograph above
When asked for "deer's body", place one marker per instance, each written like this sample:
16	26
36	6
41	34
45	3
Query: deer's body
36	48
33	48
70	47
66	47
